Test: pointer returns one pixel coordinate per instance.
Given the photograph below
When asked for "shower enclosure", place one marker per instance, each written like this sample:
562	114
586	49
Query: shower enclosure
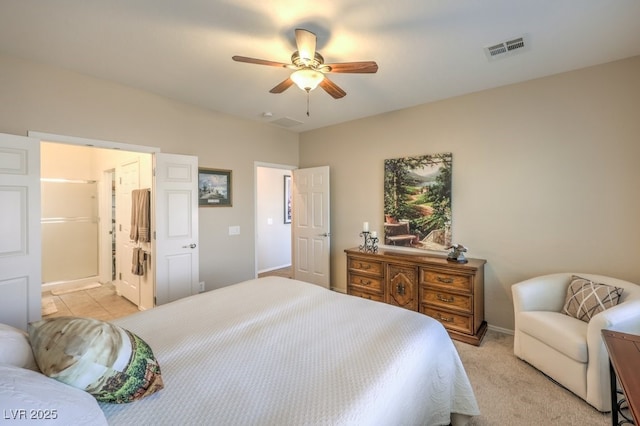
69	233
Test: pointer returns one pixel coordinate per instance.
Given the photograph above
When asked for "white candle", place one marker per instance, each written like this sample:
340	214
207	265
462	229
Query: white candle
365	227
374	234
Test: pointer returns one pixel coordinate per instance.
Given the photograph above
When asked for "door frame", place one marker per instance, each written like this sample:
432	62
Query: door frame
105	270
94	143
256	165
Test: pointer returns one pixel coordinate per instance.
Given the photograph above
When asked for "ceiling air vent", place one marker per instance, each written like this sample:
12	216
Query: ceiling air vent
507	48
286	122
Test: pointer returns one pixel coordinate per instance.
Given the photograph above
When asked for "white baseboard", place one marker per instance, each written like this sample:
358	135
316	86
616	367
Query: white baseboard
69	285
262	271
500	329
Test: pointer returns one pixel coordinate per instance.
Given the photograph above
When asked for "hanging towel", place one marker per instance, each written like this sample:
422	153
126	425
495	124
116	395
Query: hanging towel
140	215
139	261
135	265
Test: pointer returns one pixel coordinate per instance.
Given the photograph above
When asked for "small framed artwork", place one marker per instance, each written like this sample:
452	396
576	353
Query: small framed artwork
214	188
287	199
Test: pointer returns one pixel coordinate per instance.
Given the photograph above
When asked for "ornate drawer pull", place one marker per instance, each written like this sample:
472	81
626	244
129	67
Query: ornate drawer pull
363	282
444	299
364	266
446	280
441	318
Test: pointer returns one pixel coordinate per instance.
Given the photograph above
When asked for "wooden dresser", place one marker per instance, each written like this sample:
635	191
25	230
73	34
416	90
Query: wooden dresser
452	293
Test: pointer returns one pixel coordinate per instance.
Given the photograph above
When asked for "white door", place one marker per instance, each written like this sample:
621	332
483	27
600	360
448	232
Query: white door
176	226
20	234
310	224
127	180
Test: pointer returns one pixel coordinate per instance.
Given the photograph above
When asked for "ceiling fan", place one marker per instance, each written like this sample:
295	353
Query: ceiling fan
310	68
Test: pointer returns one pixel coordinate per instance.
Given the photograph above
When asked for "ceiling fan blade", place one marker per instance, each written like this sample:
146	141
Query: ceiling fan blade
331	88
353	67
306	42
259	61
284	85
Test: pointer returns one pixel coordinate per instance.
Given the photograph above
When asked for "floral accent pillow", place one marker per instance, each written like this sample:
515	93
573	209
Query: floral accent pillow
586	298
107	361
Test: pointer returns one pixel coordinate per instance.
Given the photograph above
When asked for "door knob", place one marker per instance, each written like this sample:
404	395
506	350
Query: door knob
326	234
192	246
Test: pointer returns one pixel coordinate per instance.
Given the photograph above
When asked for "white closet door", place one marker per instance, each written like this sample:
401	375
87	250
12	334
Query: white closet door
20	241
311	226
176	250
127	180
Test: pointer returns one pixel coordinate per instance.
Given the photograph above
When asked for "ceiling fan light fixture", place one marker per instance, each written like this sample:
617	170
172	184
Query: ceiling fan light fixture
307	79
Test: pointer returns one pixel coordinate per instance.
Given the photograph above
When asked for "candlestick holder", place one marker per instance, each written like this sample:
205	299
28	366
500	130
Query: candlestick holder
370	244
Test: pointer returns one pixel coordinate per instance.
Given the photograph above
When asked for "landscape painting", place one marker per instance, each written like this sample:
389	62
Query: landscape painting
417	202
214	188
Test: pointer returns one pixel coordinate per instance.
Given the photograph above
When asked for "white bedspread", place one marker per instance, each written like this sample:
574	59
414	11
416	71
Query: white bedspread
276	351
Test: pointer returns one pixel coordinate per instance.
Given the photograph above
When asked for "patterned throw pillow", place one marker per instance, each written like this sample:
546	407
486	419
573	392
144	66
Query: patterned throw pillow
586	298
107	361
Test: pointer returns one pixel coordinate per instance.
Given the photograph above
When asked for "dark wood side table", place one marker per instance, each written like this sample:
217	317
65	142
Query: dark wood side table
624	362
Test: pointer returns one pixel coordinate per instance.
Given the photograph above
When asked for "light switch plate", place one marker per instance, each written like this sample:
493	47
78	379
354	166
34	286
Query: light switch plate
234	230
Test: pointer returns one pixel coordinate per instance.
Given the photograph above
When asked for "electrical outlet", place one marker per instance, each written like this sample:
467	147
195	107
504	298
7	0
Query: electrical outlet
201	286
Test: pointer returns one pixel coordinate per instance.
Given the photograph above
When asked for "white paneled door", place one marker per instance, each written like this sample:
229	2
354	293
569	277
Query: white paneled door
176	232
20	234
127	180
311	231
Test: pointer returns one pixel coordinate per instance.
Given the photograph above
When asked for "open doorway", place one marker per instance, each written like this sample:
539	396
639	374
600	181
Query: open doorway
80	259
273	224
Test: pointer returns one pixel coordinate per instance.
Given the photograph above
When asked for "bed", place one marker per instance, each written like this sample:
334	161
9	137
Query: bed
275	351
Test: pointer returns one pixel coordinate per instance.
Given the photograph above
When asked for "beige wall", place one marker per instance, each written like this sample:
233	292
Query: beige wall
545	175
50	100
273	235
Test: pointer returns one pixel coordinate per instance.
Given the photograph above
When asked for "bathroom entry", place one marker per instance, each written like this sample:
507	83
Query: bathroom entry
80	187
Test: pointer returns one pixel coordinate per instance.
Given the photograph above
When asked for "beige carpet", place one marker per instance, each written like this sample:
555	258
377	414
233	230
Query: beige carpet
511	392
48	306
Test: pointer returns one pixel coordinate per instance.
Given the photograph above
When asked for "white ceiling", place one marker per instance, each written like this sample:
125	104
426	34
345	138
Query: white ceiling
426	49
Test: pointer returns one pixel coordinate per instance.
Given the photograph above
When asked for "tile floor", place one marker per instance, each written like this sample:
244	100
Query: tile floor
101	303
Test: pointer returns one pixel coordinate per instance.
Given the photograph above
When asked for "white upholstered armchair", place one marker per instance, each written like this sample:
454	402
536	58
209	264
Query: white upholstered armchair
569	350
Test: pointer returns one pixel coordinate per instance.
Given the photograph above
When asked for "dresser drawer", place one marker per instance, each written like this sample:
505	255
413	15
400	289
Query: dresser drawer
450	292
365	295
367	283
368	266
442	299
450	320
443	279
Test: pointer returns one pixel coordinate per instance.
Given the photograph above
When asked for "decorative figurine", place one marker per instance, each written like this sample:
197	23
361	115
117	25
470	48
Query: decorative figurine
457	254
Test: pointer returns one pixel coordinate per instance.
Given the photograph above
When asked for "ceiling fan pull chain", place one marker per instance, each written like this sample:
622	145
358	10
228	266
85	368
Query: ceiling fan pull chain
308	102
